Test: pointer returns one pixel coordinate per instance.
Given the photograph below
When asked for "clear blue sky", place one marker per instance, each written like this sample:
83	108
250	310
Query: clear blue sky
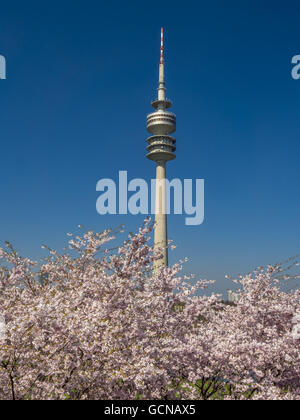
80	78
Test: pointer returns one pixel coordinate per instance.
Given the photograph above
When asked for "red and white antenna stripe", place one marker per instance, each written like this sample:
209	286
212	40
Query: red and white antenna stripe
162	46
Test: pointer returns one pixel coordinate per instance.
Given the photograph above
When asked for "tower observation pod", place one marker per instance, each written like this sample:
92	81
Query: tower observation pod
161	147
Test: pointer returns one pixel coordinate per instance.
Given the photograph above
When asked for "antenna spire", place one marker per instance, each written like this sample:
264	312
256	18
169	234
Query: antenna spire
161	78
162	46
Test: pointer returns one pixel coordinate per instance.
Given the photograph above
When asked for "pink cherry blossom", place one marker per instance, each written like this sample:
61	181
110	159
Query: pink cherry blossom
95	323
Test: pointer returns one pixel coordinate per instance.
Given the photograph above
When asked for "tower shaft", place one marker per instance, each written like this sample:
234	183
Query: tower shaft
160	229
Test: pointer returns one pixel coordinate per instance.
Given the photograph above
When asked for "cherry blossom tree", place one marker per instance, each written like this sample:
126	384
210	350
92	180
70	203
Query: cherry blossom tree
95	323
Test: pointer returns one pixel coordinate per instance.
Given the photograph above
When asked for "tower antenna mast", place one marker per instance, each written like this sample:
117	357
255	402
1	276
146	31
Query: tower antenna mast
162	45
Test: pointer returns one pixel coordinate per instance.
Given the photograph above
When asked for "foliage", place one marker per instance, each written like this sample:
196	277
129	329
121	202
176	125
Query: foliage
99	326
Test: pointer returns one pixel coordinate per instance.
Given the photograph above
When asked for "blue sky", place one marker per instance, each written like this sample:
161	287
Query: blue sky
80	78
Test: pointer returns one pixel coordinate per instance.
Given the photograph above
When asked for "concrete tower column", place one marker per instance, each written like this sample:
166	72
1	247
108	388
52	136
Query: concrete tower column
160	229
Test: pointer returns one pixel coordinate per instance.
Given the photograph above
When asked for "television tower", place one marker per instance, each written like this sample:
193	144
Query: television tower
161	148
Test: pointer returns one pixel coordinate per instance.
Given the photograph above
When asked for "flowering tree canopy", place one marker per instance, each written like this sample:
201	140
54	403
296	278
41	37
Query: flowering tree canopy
96	324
